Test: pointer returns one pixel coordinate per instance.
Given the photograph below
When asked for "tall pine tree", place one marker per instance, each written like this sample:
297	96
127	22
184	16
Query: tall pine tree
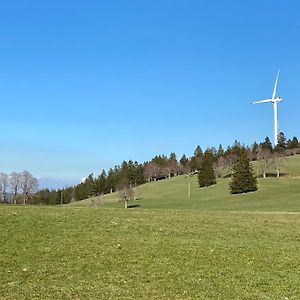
243	179
206	175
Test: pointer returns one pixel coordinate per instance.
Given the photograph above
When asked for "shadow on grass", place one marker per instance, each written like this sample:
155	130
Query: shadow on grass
133	205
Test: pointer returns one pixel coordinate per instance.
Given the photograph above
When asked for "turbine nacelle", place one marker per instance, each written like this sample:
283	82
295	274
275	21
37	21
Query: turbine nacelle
278	99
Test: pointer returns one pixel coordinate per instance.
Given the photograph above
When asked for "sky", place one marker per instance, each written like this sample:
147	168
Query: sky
85	85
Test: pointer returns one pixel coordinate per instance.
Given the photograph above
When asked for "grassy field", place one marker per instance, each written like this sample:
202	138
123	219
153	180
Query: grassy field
84	253
213	245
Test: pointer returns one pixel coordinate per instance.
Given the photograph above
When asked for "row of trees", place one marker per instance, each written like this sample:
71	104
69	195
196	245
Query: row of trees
238	160
130	174
17	187
127	175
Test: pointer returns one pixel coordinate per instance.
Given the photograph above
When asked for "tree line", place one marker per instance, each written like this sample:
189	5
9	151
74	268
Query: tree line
237	161
212	163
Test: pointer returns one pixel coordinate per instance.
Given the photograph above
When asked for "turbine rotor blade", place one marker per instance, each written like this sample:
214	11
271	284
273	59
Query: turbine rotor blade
275	86
263	101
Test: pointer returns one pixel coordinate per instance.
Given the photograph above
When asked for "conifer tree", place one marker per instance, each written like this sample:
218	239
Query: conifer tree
267	144
206	175
243	179
292	144
281	146
90	186
196	160
220	152
101	183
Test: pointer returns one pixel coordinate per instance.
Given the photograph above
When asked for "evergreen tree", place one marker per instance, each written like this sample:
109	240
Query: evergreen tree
221	151
292	144
184	160
81	191
267	145
206	175
196	160
254	151
90	186
173	164
198	151
101	183
111	182
139	173
281	146
243	179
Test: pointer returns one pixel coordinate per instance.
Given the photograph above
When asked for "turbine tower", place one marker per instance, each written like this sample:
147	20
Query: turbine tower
274	101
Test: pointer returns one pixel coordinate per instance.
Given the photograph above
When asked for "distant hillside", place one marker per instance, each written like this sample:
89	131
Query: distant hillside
274	194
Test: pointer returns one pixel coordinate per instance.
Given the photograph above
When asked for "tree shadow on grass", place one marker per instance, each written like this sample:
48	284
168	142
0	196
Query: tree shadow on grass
133	205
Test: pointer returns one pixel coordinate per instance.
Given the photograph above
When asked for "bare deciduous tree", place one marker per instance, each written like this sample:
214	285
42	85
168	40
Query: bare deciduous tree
219	166
3	186
278	162
29	185
264	157
126	194
14	182
230	160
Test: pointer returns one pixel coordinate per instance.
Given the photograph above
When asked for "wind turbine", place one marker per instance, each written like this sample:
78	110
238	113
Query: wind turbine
274	101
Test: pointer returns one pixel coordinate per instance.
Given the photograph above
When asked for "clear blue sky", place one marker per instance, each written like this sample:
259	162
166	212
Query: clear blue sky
87	84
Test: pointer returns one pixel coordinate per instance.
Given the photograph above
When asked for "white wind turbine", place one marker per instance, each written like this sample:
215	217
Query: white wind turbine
274	102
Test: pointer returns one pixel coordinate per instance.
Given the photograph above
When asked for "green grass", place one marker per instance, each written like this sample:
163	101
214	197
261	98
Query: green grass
212	246
290	166
273	194
84	253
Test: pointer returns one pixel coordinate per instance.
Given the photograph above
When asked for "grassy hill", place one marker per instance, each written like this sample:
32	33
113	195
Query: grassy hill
274	194
291	166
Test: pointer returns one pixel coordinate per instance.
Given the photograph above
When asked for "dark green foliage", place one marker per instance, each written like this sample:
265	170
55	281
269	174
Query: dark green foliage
91	186
267	145
173	164
101	183
60	196
236	149
292	144
45	196
196	160
254	151
160	160
111	180
243	179
221	151
184	161
81	191
206	175
281	146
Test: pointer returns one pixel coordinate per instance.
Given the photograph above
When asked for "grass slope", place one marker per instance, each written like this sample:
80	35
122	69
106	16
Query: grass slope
80	253
290	165
273	194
